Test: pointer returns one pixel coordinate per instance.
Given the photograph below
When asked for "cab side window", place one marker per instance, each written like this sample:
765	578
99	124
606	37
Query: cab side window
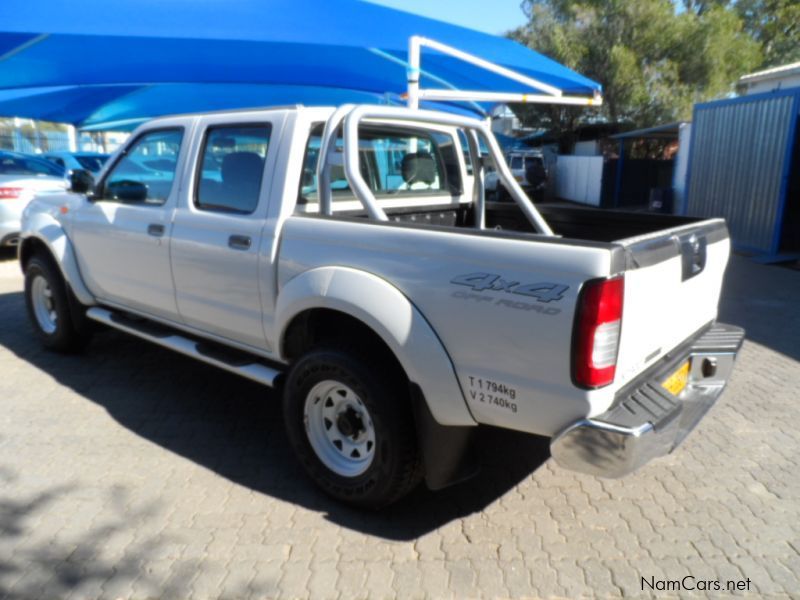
146	172
232	168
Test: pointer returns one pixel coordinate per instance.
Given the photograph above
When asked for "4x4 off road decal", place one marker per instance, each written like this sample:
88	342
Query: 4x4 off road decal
543	292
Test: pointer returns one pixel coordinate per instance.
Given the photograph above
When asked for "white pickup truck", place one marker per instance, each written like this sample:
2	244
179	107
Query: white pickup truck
348	256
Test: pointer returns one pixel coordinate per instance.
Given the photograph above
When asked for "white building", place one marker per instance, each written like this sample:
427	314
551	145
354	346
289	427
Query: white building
769	80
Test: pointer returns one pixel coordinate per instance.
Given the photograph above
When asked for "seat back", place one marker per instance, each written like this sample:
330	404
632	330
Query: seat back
419	167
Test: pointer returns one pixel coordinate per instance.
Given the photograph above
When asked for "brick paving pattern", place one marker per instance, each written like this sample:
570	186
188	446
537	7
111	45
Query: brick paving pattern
131	472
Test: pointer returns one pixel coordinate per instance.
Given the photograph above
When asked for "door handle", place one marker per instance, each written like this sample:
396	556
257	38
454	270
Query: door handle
239	242
155	229
693	256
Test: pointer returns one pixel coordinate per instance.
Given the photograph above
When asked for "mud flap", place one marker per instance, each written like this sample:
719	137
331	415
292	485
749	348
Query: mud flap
448	453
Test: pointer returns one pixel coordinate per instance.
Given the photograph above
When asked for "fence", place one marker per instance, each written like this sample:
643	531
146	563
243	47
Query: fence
34	142
579	178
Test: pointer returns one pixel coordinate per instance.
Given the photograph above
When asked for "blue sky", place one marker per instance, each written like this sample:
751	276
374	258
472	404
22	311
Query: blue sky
492	17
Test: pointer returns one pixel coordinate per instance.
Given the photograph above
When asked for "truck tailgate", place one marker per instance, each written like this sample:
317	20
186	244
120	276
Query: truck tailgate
673	281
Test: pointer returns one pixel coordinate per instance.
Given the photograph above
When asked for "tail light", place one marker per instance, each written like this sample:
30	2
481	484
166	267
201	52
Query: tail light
10	193
597	331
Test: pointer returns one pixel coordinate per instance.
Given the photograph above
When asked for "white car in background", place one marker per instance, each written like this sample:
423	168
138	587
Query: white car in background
69	161
528	169
21	177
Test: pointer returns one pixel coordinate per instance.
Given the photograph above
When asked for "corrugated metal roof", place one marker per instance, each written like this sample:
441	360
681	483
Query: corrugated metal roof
669	131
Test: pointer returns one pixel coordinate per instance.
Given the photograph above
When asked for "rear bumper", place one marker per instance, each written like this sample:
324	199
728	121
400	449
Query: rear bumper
646	420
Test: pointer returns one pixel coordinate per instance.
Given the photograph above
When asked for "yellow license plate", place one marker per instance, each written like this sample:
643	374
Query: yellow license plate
678	380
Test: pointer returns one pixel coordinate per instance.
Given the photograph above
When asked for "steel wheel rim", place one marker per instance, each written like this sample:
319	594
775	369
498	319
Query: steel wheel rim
43	305
339	428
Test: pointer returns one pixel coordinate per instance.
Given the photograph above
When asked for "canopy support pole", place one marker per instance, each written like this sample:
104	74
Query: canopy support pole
72	135
545	93
414	60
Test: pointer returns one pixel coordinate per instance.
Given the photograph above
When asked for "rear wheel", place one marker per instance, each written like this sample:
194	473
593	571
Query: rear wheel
349	421
47	301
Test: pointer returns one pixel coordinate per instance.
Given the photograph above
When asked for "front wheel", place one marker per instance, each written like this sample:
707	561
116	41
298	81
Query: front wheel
48	307
349	421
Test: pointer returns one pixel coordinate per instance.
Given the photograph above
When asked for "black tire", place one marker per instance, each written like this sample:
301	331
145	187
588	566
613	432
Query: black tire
65	337
396	466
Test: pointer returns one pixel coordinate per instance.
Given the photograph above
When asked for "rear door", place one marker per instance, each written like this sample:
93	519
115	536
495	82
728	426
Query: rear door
216	233
672	289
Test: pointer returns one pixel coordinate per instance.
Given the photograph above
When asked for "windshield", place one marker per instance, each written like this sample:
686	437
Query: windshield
11	164
92	162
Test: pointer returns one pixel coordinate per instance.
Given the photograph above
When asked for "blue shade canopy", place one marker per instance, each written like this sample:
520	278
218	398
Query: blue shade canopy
93	61
123	107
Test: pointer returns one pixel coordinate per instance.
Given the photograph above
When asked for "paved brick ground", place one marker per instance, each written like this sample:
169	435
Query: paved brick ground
130	472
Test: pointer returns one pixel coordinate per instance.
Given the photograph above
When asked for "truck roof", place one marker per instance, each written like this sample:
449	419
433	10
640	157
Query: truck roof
323	112
235	111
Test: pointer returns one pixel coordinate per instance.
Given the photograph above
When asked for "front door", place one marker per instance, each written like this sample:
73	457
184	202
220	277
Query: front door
121	238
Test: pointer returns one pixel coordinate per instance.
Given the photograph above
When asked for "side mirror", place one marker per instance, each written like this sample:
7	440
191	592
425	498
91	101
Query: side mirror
127	190
81	181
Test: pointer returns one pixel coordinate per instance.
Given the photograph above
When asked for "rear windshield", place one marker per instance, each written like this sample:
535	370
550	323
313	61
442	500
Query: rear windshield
91	162
21	165
393	161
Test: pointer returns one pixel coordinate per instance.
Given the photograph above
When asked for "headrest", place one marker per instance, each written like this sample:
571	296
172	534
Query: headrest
419	167
241	165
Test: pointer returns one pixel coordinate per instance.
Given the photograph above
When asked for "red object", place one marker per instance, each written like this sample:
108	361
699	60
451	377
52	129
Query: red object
10	193
597	332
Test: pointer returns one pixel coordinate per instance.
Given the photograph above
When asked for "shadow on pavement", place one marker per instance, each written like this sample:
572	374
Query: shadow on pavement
234	427
8	254
764	300
72	562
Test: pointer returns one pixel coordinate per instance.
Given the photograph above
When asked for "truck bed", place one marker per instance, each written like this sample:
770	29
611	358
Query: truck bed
572	222
580	223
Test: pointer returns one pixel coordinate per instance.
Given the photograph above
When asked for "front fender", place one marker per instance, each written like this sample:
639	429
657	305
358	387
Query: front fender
44	228
391	315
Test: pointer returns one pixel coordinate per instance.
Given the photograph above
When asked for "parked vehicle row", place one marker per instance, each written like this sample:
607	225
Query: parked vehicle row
69	161
23	175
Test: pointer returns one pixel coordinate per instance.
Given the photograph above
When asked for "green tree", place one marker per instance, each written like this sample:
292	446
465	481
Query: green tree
775	24
653	61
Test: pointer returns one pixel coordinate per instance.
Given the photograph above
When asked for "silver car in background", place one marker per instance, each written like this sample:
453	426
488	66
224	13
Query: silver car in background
22	177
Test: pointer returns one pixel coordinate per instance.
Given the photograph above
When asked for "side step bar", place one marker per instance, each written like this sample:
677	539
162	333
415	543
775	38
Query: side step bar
251	369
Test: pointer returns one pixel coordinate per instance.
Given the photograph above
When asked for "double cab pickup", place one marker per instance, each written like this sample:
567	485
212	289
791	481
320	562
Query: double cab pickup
349	257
